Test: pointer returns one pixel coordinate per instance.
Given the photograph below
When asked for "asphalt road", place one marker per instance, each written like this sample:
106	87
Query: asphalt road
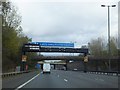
15	81
67	79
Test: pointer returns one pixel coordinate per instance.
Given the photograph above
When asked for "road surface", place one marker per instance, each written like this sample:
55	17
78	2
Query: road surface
63	79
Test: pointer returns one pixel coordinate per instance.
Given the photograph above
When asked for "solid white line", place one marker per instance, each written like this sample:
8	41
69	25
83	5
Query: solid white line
65	80
26	82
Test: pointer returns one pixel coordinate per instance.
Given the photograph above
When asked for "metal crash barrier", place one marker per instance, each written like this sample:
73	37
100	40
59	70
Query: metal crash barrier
13	73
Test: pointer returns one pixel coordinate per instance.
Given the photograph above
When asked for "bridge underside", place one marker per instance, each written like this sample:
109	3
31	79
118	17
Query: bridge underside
59	58
37	48
74	58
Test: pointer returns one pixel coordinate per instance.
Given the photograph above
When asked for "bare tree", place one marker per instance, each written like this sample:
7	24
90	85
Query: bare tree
11	18
97	47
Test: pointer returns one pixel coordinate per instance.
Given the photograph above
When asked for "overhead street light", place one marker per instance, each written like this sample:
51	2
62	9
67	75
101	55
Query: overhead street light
102	5
109	50
113	5
108	5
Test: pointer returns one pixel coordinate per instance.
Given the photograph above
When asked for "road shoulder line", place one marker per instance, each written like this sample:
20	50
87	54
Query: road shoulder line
27	82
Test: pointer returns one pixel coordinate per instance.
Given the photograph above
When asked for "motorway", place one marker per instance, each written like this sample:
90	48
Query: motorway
61	79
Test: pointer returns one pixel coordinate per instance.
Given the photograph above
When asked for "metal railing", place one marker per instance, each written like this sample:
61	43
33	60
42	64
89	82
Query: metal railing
113	73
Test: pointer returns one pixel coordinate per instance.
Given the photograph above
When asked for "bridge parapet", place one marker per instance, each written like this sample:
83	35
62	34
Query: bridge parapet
59	58
90	58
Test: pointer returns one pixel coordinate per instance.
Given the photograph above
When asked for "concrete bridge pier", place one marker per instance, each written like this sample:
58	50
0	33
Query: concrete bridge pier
54	66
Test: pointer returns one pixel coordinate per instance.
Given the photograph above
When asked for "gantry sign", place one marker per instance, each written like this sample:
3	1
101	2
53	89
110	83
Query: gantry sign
37	48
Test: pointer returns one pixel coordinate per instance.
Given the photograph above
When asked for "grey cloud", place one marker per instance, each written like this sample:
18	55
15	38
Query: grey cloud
64	22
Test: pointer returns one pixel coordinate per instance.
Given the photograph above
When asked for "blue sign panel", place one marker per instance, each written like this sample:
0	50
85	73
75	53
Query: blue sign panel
54	44
37	66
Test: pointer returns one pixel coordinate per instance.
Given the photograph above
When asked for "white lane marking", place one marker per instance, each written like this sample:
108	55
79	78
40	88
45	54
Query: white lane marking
99	79
114	74
41	72
26	82
65	80
58	75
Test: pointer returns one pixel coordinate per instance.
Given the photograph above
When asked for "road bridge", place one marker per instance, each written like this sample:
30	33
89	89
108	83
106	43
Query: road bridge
30	47
56	63
90	58
38	48
58	58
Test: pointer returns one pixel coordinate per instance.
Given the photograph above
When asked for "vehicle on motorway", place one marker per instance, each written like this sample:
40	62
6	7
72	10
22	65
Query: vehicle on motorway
75	69
46	68
63	68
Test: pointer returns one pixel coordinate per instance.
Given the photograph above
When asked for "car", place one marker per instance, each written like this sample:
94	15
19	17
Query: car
75	69
63	68
46	68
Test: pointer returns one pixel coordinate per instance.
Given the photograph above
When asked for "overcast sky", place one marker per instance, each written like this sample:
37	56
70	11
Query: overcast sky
67	20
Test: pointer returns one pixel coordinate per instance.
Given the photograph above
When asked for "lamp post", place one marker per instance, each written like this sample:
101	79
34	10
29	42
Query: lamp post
109	50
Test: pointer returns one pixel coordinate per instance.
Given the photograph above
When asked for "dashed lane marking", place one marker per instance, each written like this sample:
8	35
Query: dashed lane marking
65	80
99	79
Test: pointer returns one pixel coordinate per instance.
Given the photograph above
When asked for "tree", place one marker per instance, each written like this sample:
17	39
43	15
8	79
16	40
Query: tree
11	18
96	47
12	37
113	46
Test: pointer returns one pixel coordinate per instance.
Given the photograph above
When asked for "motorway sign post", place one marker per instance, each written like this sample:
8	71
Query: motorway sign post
85	62
86	59
38	66
24	58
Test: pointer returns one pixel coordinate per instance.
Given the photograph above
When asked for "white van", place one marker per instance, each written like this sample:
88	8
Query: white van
46	68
